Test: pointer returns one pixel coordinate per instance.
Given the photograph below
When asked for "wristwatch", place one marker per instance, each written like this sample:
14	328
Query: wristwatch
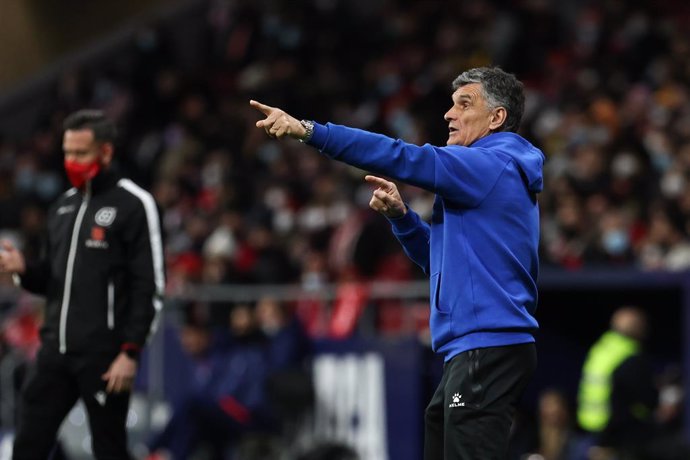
309	128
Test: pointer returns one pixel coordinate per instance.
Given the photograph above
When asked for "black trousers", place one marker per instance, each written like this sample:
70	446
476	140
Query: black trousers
53	386
470	414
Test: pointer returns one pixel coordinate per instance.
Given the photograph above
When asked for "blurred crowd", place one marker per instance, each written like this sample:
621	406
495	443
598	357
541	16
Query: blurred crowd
607	101
246	376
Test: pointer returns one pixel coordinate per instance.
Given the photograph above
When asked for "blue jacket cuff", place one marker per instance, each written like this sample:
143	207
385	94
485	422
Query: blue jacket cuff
404	224
319	137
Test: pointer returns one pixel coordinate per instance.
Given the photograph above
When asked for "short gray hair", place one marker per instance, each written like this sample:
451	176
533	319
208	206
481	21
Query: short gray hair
500	89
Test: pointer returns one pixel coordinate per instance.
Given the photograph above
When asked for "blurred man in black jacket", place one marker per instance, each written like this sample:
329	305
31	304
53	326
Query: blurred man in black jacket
102	275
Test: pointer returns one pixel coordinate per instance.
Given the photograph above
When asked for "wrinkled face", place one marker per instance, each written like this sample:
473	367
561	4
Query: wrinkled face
469	119
80	146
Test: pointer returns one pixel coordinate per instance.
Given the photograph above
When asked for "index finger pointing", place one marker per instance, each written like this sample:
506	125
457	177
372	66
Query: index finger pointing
383	183
263	108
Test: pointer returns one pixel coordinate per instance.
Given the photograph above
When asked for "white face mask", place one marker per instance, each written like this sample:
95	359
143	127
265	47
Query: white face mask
615	242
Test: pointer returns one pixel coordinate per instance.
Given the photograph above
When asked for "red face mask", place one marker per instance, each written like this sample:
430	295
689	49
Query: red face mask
79	173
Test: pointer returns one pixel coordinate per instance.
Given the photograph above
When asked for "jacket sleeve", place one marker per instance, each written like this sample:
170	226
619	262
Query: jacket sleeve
145	272
413	234
465	175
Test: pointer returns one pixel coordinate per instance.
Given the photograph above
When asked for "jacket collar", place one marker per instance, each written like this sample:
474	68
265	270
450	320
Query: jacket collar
105	180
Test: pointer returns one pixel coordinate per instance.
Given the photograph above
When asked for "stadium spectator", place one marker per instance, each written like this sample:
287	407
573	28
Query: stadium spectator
289	387
671	443
287	344
556	435
228	402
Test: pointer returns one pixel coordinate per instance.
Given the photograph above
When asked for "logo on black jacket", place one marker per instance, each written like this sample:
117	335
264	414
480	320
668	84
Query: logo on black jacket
106	216
456	401
97	240
65	209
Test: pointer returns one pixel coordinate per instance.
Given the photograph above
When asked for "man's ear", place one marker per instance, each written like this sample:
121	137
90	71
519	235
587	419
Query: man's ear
107	151
498	117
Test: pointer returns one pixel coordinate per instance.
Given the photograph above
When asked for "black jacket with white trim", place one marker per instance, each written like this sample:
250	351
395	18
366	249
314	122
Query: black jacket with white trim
102	271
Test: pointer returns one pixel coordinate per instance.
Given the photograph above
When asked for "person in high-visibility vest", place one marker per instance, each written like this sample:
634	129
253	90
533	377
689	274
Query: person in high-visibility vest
617	398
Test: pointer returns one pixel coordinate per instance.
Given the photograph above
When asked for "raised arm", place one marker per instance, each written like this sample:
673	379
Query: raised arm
463	174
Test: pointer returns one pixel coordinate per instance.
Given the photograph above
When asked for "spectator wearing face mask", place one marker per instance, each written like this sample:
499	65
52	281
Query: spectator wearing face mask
612	242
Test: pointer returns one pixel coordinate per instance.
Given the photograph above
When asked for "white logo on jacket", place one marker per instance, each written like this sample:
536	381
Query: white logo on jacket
65	209
456	401
101	397
106	216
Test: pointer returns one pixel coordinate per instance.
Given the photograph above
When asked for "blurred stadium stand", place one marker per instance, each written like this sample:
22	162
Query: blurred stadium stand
608	102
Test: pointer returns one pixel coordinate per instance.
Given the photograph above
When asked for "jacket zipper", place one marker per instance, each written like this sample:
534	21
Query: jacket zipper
69	272
111	305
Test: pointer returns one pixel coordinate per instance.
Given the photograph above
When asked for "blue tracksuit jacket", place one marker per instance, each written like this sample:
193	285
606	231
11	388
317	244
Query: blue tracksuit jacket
480	250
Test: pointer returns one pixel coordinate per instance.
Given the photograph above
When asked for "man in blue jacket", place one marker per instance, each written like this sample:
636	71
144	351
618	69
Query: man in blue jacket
480	250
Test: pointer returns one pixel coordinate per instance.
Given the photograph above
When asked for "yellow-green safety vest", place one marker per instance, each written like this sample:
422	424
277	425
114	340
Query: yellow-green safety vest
593	410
